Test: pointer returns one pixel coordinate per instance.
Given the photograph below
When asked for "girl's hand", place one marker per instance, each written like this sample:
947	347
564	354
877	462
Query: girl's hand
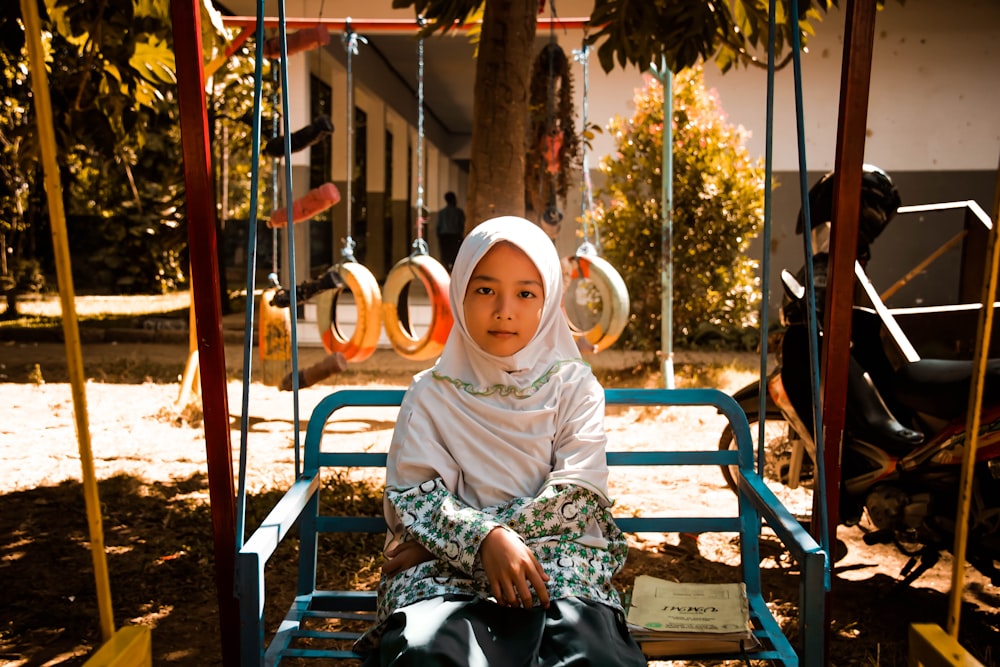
511	567
403	556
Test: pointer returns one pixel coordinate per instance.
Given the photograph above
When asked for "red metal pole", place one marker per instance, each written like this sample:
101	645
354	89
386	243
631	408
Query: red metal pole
859	37
205	288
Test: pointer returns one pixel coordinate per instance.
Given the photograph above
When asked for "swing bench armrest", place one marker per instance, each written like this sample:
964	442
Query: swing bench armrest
812	559
789	530
253	556
280	520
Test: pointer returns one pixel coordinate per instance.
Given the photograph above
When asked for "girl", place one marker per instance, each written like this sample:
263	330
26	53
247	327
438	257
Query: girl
501	547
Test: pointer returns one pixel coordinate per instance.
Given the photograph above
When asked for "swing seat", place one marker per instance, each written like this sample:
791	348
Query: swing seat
301	507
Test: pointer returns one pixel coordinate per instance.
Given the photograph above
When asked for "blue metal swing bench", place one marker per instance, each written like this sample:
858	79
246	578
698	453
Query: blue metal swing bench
300	508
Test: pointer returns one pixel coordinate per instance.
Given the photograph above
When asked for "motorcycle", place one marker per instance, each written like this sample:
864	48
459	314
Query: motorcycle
904	434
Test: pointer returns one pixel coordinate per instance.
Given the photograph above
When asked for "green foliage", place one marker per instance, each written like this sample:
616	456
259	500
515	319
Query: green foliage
718	208
682	33
112	81
110	78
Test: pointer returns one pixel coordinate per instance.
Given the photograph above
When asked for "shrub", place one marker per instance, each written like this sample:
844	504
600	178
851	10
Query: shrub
718	208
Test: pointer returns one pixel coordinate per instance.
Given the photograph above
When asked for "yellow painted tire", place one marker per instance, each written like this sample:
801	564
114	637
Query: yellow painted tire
274	340
600	325
436	282
368	300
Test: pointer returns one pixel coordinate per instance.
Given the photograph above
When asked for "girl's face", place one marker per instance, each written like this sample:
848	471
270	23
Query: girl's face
503	301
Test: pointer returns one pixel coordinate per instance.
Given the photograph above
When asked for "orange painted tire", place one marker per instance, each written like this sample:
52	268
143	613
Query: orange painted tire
436	281
596	301
368	300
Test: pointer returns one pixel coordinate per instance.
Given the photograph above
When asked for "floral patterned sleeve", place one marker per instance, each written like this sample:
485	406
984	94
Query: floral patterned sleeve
560	512
453	531
443	524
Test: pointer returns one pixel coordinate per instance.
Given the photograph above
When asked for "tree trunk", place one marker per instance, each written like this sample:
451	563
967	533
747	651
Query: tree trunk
500	110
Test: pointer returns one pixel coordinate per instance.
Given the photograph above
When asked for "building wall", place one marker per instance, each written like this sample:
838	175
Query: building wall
389	105
932	125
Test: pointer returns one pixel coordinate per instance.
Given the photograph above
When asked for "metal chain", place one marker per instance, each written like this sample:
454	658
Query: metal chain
582	56
351	40
420	244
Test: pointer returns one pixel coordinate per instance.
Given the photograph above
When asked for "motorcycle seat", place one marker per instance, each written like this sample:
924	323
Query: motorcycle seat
940	387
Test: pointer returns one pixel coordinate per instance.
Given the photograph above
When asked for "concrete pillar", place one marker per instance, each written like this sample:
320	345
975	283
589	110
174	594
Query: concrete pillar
400	204
375	259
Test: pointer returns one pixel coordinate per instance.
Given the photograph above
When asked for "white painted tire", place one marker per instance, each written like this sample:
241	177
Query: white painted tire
599	325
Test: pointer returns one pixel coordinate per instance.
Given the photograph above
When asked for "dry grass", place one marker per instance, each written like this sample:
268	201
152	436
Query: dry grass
107	306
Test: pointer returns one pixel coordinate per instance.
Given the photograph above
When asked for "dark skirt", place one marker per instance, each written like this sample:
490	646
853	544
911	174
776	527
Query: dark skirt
463	630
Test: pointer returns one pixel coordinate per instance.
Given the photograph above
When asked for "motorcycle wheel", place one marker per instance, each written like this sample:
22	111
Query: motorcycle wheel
778	435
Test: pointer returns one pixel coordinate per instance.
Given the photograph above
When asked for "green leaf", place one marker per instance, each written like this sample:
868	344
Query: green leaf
154	61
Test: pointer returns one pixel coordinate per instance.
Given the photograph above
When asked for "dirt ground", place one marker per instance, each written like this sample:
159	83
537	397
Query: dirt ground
149	456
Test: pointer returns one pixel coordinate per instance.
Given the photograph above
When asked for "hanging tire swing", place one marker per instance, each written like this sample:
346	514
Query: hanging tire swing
436	281
362	342
595	300
418	266
359	280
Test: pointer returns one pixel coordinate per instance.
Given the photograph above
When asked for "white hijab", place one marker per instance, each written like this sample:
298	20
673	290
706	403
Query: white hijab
496	428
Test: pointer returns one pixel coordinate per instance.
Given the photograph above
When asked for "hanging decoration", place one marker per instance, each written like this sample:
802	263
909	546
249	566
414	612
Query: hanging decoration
596	300
360	281
418	266
553	143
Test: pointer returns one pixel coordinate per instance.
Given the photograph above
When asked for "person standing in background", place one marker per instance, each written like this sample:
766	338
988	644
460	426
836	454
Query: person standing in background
450	229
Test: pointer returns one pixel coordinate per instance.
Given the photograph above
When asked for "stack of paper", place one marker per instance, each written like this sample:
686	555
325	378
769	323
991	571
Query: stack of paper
671	618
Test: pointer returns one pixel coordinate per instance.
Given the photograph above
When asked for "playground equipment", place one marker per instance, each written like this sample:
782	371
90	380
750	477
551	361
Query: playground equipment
301	506
313	626
596	300
418	266
131	646
311	204
854	94
360	281
275	337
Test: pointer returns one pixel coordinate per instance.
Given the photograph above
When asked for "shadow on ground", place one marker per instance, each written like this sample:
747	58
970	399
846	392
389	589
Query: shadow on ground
160	559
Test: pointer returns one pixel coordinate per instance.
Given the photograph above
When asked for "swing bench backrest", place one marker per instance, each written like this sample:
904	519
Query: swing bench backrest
297	637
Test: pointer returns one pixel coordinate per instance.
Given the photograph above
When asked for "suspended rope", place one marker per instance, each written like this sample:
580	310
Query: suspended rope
418	266
252	263
765	266
582	56
596	301
274	166
360	281
326	195
820	499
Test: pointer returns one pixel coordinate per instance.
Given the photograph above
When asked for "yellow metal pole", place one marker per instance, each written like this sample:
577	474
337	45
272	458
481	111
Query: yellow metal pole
189	381
972	422
71	331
